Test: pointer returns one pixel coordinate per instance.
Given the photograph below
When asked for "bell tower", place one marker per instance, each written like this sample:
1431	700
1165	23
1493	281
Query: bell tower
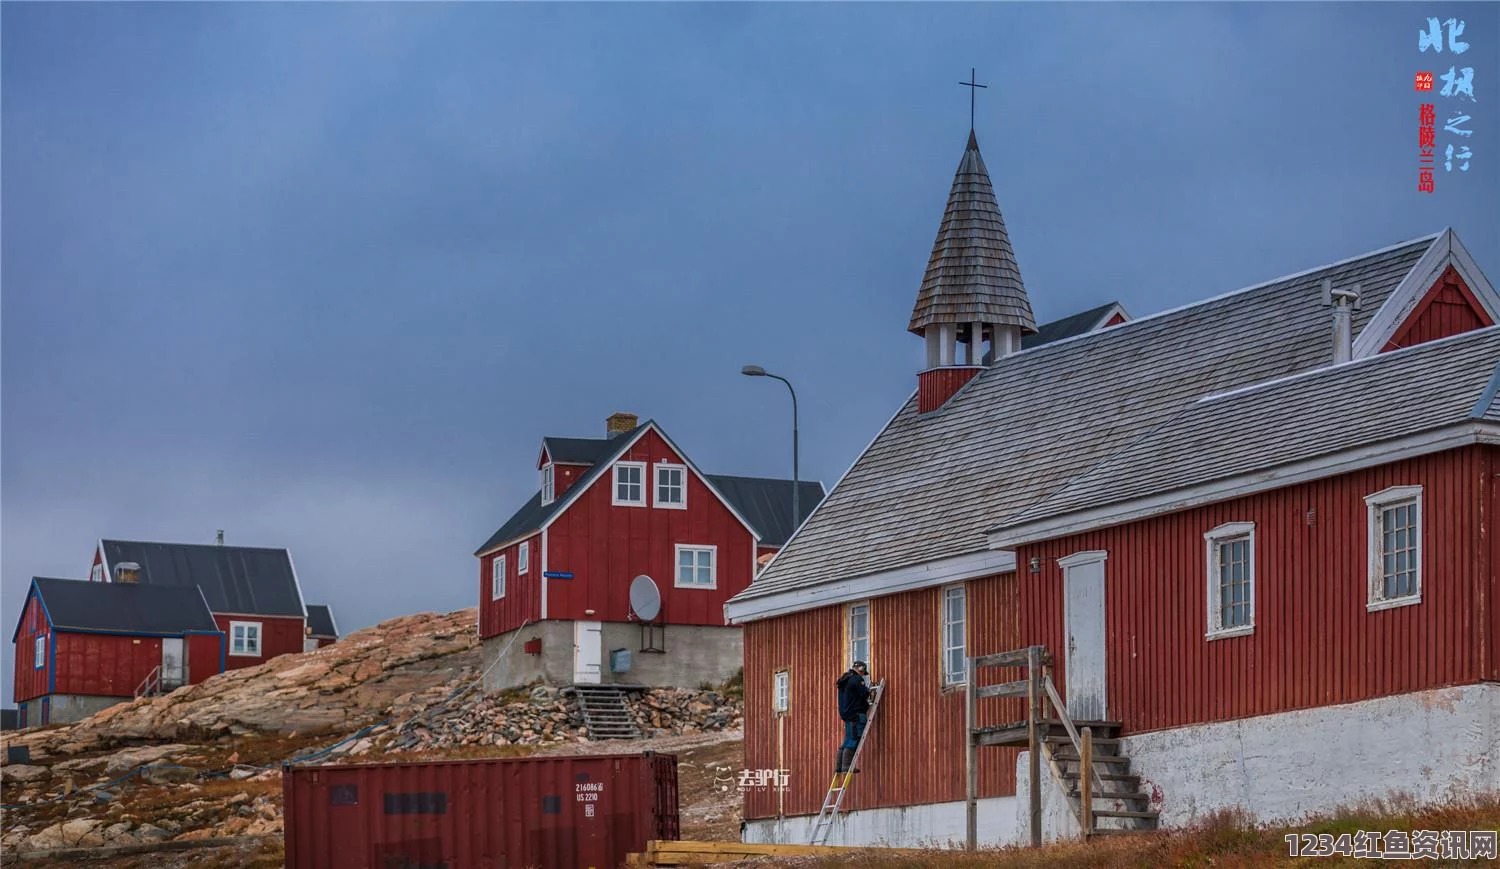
972	291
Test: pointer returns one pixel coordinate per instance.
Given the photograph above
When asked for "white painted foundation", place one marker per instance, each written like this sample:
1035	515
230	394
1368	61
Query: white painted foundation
1430	745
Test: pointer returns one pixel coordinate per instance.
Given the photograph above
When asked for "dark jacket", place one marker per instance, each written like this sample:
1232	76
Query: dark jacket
854	696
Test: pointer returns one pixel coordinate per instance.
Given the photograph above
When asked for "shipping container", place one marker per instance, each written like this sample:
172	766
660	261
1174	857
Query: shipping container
580	812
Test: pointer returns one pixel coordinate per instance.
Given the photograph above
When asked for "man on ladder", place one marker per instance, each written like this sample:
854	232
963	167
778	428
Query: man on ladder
854	708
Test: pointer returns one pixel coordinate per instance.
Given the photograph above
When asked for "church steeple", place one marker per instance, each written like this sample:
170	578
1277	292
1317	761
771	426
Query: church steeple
972	290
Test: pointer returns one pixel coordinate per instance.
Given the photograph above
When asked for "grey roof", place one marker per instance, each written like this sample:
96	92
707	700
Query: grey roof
320	620
1067	327
972	275
579	451
124	607
929	487
767	503
235	579
1383	397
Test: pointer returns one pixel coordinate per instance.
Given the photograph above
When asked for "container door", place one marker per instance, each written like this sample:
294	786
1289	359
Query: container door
172	670
1083	612
588	652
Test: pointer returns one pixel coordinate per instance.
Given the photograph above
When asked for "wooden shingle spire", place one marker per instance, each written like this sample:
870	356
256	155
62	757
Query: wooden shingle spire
972	276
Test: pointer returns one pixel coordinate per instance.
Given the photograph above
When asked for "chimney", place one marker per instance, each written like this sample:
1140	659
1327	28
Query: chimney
620	422
1344	302
219	538
128	572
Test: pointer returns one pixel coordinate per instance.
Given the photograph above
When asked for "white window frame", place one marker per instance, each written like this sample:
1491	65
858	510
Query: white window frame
614	484
497	577
1213	540
849	653
1375	505
523	557
251	628
682	476
781	691
713	565
549	484
947	624
96	573
39	652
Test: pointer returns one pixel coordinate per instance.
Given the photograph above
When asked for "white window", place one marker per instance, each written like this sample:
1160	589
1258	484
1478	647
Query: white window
955	639
671	486
781	691
1231	579
697	566
630	484
497	578
858	632
1395	534
523	557
39	652
244	639
547	483
96	573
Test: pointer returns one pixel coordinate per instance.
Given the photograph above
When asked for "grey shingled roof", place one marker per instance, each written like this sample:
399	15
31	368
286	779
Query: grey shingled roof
579	451
1067	327
767	503
124	607
320	620
972	275
235	579
1392	395
929	487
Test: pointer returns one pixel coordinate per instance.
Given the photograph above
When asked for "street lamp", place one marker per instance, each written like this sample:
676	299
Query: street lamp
757	371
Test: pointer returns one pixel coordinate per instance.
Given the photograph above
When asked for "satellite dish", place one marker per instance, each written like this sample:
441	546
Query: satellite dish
645	598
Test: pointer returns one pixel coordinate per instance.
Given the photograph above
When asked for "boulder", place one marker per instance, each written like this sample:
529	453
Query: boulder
21	773
163	772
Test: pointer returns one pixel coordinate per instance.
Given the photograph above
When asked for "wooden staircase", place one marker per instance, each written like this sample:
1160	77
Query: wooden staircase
1116	802
605	712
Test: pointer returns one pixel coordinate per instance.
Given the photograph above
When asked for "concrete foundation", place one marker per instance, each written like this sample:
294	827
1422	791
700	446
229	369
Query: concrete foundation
66	708
1429	746
694	655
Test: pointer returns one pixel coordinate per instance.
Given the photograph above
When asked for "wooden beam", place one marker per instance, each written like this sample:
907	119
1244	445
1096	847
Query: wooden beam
1004	689
1033	740
1086	793
1016	658
971	762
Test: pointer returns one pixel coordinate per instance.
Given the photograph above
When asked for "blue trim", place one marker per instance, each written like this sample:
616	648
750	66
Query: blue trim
223	652
1487	397
51	663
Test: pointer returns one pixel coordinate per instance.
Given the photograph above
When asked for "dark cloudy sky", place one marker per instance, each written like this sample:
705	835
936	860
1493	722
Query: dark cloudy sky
322	275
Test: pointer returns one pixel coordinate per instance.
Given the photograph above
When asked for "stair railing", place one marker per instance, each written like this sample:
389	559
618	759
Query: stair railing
149	685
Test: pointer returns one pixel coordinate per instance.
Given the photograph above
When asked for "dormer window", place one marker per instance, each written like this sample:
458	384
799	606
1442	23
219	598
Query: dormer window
630	484
547	483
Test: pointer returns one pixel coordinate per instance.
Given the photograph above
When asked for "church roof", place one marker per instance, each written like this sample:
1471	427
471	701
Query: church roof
972	274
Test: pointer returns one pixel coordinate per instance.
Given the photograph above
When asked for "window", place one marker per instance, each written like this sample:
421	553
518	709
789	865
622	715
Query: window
39	652
523	557
1231	579
630	486
497	578
96	573
244	639
1395	534
955	639
858	631
671	486
781	691
547	483
697	566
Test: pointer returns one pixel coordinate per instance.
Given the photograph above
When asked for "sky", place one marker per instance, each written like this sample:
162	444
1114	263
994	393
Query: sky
324	275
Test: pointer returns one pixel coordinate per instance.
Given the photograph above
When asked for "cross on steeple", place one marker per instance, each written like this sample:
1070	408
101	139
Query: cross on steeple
973	85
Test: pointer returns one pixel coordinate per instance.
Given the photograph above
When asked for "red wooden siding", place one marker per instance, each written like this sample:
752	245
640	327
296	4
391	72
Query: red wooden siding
564	476
522	600
114	665
915	750
936	385
1115	319
1448	308
1314	642
29	681
278	636
205	656
605	547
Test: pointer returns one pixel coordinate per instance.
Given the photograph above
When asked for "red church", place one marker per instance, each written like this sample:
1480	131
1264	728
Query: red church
1245	541
616	570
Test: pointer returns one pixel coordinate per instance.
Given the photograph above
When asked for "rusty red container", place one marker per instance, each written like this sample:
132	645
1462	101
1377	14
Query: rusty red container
577	812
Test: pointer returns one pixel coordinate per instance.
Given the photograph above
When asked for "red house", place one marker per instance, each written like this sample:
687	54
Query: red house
1251	535
81	647
555	580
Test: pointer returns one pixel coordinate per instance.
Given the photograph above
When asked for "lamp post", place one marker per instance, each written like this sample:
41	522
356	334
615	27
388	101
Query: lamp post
757	371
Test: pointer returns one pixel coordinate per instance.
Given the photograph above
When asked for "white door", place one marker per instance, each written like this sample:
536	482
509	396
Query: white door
172	671
588	652
1083	616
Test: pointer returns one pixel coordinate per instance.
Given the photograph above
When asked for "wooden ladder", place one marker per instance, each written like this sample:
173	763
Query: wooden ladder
837	788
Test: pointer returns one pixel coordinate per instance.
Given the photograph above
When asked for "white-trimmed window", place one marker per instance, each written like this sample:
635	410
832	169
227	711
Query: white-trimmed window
39	652
547	484
857	631
697	566
244	639
523	557
781	691
1395	535
96	573
1231	579
630	484
497	578
671	486
955	636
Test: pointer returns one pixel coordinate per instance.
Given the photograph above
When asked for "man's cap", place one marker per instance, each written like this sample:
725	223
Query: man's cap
859	665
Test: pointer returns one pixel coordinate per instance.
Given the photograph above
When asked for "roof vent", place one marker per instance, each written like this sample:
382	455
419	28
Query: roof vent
128	572
1344	302
620	422
219	538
